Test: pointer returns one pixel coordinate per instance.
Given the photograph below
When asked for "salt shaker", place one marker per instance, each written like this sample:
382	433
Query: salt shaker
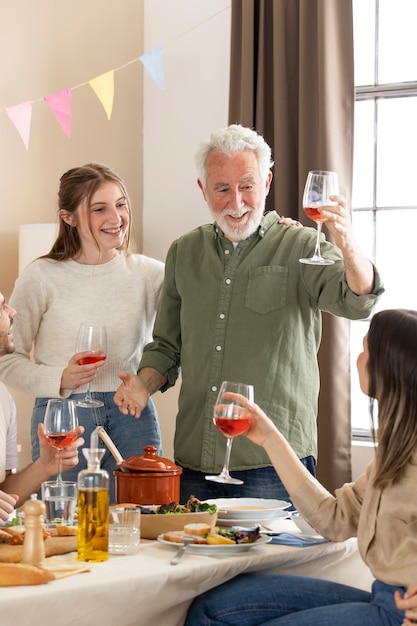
33	544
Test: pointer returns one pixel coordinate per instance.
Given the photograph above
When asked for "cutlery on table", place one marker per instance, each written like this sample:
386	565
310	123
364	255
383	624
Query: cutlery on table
177	558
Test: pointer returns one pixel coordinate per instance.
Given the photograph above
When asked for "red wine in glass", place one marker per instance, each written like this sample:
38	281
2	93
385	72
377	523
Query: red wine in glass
231	419
61	421
62	440
93	338
320	185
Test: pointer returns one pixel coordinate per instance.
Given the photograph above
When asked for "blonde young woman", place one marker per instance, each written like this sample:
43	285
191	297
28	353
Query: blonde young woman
380	507
90	274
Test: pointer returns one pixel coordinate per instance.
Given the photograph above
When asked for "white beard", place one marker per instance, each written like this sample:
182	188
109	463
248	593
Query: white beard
240	232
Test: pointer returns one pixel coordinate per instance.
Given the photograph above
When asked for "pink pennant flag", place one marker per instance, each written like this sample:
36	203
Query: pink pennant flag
21	116
103	87
153	64
60	105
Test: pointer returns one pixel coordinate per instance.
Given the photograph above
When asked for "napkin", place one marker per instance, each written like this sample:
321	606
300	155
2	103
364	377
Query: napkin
298	541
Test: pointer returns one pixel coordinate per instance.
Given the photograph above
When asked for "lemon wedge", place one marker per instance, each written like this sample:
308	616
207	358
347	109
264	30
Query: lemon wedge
214	539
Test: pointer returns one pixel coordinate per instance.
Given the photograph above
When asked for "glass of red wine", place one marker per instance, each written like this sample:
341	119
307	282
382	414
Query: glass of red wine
320	185
61	422
231	419
92	338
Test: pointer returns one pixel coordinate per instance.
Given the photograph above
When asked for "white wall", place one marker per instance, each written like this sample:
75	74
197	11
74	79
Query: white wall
195	39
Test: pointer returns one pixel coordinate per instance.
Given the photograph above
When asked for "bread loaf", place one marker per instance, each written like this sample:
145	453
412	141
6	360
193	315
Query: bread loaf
12	574
197	529
66	531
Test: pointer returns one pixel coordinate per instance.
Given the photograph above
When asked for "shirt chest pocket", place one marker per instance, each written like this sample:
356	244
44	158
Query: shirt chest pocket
267	289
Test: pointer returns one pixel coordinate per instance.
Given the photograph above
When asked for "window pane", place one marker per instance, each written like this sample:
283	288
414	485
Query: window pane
395	257
363	157
364	41
397	41
363	228
397	138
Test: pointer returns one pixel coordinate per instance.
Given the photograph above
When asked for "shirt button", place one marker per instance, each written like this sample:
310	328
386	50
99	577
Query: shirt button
222	316
214	388
227	251
218	348
228	281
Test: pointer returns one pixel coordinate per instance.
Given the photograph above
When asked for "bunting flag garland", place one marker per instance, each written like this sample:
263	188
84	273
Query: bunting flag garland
103	87
21	115
153	64
60	105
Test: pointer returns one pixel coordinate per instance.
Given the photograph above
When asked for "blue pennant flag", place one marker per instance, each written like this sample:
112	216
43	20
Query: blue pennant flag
153	64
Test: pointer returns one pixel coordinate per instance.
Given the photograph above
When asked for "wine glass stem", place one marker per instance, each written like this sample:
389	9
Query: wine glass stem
225	470
88	393
317	249
59	476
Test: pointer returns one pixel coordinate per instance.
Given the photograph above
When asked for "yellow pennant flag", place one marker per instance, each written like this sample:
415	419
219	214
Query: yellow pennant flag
103	87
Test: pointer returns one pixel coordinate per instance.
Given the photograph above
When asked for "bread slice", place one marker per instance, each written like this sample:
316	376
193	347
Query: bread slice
177	536
199	530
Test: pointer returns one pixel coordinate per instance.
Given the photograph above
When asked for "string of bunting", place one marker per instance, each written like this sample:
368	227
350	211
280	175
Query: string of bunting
60	103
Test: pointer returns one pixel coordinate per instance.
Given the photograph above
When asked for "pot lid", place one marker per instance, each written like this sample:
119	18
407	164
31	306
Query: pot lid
150	462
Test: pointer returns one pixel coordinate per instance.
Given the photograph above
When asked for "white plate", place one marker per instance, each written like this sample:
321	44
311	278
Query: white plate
302	524
238	509
219	549
226	521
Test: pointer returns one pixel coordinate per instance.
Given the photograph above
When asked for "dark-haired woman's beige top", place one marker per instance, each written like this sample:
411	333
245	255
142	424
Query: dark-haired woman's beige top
385	522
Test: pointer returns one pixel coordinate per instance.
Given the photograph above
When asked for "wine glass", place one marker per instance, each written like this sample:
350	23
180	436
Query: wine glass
94	339
61	423
320	185
231	419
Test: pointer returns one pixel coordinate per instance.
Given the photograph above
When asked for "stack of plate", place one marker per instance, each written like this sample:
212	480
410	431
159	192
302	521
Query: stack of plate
247	511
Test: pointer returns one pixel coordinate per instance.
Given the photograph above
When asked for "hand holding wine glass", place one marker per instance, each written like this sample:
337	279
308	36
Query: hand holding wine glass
231	419
93	339
61	422
320	185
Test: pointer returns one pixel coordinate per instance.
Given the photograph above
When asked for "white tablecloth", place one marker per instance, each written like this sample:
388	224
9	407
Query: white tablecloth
145	590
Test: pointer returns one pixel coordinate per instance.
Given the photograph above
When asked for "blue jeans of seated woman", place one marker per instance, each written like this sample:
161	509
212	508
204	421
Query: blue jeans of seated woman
284	600
129	434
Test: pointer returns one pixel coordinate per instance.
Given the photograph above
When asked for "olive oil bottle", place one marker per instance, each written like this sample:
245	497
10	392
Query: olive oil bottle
93	509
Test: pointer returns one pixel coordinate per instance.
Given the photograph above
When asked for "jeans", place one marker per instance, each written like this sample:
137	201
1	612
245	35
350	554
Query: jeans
283	600
258	483
128	433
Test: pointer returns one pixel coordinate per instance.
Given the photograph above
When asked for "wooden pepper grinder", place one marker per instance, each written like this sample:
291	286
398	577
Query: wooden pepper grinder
33	544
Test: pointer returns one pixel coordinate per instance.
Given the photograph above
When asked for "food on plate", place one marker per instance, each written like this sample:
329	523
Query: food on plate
177	536
193	505
199	529
218	536
12	534
214	539
12	574
15	535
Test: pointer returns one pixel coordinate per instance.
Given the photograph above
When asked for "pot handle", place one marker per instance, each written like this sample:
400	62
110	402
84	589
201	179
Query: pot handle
109	443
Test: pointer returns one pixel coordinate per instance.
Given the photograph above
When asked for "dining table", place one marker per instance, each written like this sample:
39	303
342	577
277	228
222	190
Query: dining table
144	589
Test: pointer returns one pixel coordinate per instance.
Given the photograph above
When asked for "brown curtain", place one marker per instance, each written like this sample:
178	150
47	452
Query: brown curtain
292	79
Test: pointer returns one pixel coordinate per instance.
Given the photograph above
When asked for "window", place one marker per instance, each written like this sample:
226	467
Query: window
384	197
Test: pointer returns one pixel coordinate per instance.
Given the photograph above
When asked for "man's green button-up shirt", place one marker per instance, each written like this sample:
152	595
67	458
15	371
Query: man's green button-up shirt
249	314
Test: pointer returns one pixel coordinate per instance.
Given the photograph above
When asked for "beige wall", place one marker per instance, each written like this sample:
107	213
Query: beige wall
47	46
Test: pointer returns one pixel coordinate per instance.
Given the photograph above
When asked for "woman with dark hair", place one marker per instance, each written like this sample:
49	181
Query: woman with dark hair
89	275
380	507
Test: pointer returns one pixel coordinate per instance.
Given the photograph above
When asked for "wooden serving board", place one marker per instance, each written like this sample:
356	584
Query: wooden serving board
53	546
